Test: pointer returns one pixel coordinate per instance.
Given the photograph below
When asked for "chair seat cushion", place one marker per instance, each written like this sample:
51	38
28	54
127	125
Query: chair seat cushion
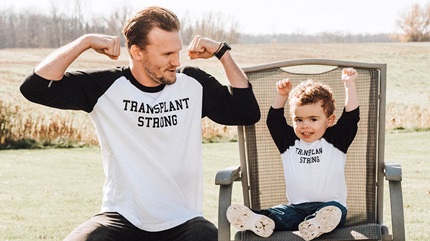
357	232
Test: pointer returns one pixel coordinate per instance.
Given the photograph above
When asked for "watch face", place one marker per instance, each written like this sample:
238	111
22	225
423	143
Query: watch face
227	46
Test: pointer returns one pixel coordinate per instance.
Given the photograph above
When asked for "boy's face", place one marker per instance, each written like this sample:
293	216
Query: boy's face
310	121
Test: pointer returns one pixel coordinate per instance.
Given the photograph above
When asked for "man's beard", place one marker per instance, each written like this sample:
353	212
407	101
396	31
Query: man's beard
165	81
160	80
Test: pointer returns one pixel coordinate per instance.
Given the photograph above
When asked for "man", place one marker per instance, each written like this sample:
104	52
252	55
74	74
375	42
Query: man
148	120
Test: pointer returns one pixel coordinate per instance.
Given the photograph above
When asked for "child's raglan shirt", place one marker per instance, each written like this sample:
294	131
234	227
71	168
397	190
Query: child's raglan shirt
314	172
150	137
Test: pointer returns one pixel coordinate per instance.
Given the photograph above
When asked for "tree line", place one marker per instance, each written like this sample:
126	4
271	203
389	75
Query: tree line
41	30
57	27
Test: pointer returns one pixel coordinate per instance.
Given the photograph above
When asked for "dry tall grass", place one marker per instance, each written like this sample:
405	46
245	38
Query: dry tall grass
21	126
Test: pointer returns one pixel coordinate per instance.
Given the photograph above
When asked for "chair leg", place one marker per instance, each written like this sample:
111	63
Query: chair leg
225	193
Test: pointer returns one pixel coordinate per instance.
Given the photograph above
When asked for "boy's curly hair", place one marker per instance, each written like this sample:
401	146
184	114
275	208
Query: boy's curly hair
310	92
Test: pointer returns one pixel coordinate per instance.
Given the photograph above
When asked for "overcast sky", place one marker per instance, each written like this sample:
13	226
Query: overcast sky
265	17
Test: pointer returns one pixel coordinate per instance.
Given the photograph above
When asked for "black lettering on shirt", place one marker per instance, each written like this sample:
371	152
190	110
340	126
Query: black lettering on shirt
309	156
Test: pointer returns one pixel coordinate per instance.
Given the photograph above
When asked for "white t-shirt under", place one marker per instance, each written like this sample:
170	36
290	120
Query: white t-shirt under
314	172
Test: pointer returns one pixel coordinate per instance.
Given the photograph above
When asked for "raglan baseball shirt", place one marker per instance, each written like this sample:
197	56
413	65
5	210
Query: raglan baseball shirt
314	172
150	137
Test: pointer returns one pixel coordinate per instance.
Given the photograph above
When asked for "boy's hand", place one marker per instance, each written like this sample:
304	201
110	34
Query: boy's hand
349	75
284	87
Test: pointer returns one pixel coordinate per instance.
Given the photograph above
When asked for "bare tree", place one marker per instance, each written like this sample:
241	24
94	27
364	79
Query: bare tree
117	20
415	24
7	28
56	31
213	25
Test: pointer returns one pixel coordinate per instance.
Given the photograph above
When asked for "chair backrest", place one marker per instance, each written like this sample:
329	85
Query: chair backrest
259	156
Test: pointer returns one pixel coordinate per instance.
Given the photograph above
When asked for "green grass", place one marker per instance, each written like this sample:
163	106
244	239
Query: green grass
412	151
45	194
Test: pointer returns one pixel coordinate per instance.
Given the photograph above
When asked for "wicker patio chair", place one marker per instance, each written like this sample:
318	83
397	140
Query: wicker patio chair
261	172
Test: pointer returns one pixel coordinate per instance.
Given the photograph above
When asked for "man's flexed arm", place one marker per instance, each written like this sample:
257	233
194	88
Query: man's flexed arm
202	47
56	64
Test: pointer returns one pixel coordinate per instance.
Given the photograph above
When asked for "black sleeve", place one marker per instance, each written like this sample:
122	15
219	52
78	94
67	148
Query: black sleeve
282	134
343	132
76	91
224	105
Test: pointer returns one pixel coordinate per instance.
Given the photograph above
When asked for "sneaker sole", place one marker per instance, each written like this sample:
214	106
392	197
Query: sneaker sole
242	218
325	221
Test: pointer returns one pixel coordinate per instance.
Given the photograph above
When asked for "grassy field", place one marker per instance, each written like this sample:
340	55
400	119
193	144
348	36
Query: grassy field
41	191
412	152
45	194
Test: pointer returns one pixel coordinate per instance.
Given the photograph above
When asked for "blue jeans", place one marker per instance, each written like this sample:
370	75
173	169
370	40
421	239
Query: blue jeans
288	217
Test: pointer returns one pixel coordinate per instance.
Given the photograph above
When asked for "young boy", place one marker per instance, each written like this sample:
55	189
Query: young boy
313	153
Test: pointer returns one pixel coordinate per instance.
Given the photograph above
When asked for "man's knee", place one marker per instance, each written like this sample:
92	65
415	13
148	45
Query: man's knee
201	229
104	226
88	231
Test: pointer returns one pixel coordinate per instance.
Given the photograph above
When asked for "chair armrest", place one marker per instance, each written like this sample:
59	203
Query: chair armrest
225	179
393	174
227	176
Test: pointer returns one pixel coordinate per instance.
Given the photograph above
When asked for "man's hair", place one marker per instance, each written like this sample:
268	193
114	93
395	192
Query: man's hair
137	28
310	92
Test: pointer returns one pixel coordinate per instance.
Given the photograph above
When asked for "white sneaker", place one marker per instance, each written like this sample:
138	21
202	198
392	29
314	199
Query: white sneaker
242	218
325	221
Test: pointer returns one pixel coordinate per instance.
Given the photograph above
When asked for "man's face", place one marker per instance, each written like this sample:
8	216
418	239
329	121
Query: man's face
310	121
162	56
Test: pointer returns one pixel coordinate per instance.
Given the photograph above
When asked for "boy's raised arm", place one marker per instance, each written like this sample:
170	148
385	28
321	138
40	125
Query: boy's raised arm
349	75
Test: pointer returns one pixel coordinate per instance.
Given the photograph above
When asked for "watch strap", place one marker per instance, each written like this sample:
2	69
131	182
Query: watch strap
224	47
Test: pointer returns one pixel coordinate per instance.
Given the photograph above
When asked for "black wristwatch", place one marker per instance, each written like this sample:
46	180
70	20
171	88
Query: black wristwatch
223	47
